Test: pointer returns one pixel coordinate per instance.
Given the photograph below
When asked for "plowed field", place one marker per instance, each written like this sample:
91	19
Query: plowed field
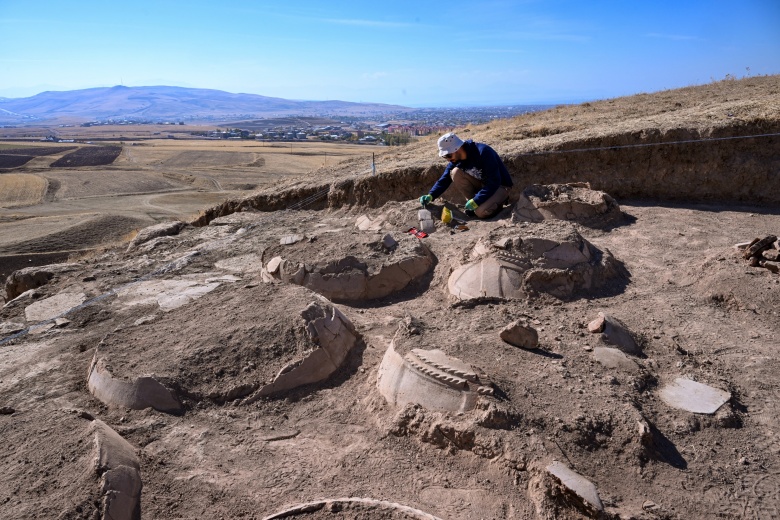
89	156
35	151
14	161
18	189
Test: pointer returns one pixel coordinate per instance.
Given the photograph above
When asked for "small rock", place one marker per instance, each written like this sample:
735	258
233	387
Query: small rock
6	410
61	322
772	266
520	334
504	243
290	240
649	505
773	255
389	242
597	325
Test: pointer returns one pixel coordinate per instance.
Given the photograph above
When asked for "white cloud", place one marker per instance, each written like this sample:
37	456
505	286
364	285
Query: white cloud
675	37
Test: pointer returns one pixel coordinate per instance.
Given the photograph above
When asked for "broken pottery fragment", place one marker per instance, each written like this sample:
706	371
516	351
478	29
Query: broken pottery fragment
615	359
759	246
430	378
555	260
520	334
138	394
574	202
119	468
359	507
691	396
52	307
617	334
583	489
335	337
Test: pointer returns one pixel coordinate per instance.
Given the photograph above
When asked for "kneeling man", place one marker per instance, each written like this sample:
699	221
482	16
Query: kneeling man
478	174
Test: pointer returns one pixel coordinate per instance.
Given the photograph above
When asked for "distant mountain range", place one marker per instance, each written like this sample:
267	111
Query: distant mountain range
168	104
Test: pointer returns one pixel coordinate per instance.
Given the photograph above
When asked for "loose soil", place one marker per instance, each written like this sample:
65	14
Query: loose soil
695	306
89	156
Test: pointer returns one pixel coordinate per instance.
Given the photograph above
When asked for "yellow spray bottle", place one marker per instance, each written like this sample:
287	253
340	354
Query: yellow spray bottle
446	215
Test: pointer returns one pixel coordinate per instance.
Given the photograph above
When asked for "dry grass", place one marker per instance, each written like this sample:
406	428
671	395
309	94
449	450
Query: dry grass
19	189
79	184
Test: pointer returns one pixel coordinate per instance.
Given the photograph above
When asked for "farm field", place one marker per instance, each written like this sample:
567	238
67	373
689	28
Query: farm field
148	181
21	189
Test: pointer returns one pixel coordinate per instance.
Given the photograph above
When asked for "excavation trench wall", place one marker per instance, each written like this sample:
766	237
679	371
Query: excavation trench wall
718	165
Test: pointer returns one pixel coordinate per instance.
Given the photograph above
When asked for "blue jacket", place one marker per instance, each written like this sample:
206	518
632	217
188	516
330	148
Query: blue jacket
483	163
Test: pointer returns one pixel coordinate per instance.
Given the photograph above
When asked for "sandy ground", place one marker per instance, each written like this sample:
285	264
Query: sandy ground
197	311
700	311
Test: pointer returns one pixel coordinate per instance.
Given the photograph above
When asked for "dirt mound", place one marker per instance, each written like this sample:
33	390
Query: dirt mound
573	201
238	352
88	156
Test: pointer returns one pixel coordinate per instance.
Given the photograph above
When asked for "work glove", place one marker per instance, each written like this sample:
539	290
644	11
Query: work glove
425	199
470	204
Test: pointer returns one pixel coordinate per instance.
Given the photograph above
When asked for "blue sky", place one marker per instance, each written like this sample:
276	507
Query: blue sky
444	53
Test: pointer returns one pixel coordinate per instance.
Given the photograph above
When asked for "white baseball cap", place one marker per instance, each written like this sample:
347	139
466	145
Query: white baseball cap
449	143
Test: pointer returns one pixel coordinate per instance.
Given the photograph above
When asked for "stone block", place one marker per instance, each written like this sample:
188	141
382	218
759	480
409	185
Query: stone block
520	334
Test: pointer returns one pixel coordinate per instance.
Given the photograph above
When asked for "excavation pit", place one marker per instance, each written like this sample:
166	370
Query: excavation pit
574	202
350	266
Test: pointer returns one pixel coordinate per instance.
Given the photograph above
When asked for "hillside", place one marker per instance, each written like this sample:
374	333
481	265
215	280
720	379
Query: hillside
297	353
166	103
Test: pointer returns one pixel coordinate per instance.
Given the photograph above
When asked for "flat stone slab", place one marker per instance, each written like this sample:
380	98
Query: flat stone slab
250	263
168	294
691	396
583	488
289	240
52	307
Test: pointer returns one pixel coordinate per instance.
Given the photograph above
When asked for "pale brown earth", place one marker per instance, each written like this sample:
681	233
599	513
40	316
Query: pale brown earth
694	305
